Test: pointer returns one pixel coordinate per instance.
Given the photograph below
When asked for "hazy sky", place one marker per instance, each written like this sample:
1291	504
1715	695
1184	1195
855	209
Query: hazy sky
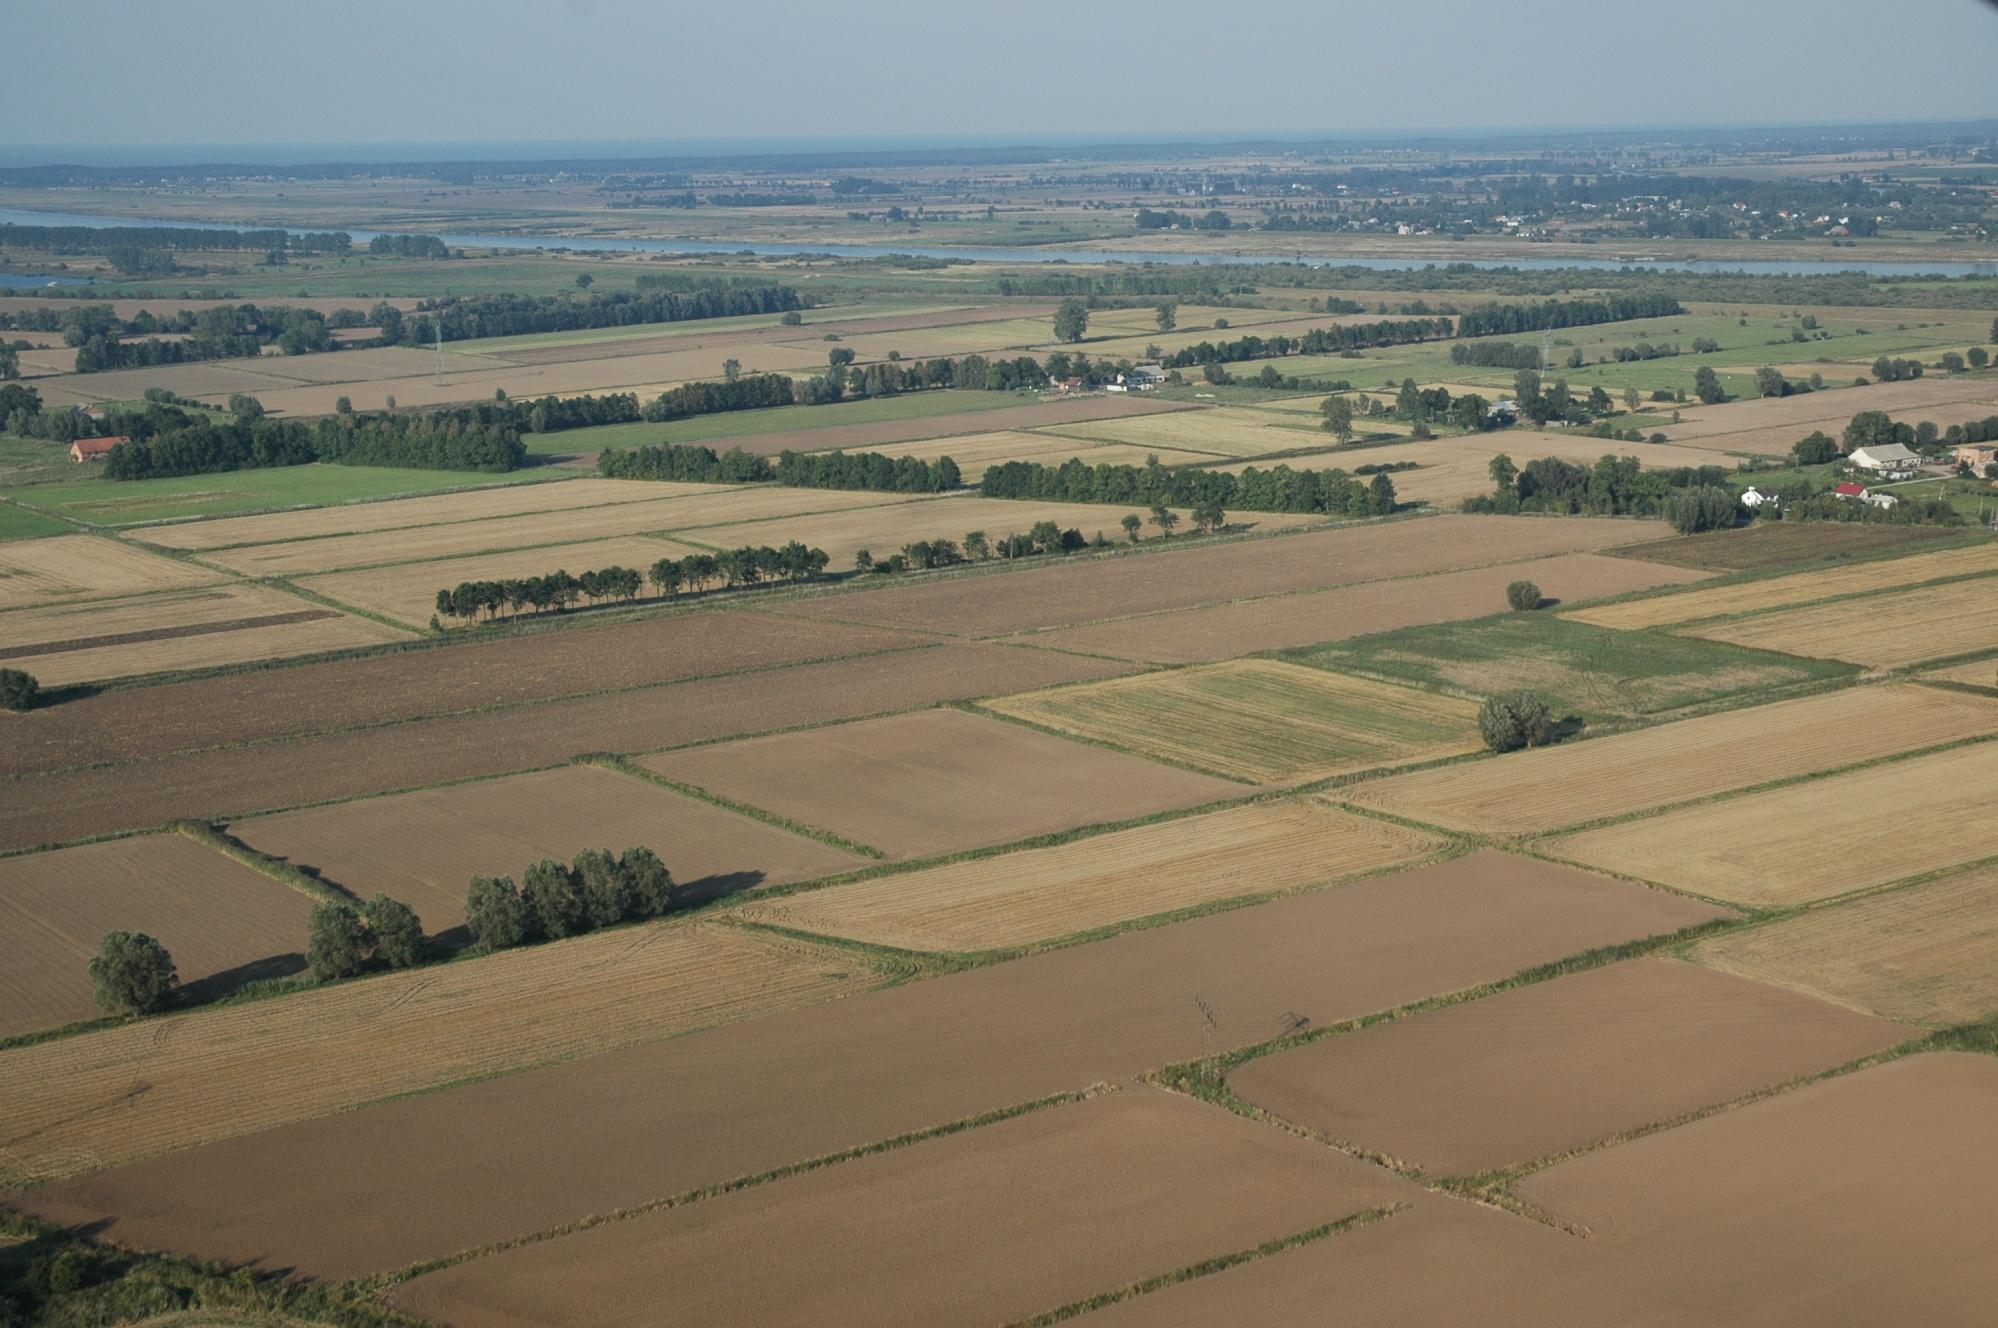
283	71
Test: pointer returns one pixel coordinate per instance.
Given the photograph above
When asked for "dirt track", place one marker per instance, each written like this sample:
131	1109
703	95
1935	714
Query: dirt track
656	1120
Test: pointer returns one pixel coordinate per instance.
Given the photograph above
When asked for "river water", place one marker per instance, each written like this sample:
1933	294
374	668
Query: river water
466	240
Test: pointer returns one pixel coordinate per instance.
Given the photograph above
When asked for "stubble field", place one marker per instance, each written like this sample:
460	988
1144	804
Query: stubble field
1583	781
73	567
1886	631
1041	894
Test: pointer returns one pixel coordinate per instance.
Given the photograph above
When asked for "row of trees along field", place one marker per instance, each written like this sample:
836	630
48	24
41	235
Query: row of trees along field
169	441
746	566
694	463
1279	489
659	299
1045	539
1548	315
595	891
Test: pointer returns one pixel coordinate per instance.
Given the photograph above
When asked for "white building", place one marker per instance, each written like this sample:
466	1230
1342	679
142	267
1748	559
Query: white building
1753	498
1883	457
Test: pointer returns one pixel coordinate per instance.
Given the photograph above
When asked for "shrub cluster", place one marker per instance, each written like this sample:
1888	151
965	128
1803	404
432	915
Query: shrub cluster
1514	720
342	940
553	900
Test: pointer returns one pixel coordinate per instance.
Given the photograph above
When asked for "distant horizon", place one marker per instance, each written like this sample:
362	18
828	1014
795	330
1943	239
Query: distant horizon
417	151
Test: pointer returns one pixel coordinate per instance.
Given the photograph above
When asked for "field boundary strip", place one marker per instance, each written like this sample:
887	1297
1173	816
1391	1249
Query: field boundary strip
622	766
384	1281
165	633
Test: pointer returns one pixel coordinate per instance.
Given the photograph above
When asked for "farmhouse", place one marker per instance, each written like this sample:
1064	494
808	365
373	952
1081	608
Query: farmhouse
1753	498
1850	490
1878	499
1883	456
1141	378
1974	456
95	449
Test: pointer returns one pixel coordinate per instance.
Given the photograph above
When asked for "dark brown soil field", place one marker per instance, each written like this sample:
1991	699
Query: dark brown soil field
854	437
937	781
223	923
664	1118
1082	592
990	1226
1863	1200
374	689
1223	631
239	781
1551	1067
1781	543
424	848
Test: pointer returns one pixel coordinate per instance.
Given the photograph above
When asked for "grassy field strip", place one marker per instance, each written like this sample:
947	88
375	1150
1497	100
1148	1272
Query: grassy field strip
1265	721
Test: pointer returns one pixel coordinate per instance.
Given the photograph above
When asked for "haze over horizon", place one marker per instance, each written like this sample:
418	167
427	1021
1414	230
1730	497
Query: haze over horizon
617	72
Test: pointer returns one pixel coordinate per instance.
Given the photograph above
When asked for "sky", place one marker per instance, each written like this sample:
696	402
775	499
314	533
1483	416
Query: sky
257	72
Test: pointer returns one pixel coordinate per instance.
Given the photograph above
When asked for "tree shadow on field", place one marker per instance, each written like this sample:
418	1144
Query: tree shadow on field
710	888
215	986
1563	729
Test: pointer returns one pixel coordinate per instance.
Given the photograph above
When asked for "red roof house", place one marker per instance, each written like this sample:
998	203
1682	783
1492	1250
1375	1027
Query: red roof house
1850	490
95	449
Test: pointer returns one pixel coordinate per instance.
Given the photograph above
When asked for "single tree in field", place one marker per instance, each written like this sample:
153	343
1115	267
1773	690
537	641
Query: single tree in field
132	973
731	368
495	913
396	931
1978	357
336	942
1165	519
1707	385
584	281
1523	595
1512	721
1071	320
1769	382
1132	524
1168	315
245	407
18	690
1208	516
1503	472
1380	494
1630	399
977	548
1338	421
1046	536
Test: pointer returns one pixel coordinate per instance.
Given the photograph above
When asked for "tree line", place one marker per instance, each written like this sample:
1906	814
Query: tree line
696	464
408	246
102	239
1497	319
1614	486
466	317
165	440
1317	341
554	900
1279	489
746	566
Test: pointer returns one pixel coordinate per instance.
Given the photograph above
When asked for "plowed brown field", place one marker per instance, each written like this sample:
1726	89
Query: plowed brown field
424	848
1628	772
221	922
936	781
1780	847
1157	1181
1928	953
1287	622
1088	591
338	765
1550	1067
1040	894
650	1121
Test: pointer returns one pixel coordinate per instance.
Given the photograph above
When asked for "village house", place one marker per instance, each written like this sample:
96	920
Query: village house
1872	499
1884	457
1975	455
1850	490
95	449
1752	498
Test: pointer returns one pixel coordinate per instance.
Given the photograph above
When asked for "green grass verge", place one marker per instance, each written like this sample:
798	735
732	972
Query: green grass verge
1596	673
232	493
19	523
778	419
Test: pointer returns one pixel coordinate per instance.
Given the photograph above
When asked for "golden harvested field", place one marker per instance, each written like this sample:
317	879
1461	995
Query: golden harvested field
1040	894
1219	430
1802	588
332	1048
222	922
1553	1066
975	1227
180	629
69	567
1893	1233
425	847
397	513
1540	790
1977	673
1774	424
1810	841
408	591
885	527
667	1117
935	781
457	538
1285	622
1884	631
1927	954
1256	719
